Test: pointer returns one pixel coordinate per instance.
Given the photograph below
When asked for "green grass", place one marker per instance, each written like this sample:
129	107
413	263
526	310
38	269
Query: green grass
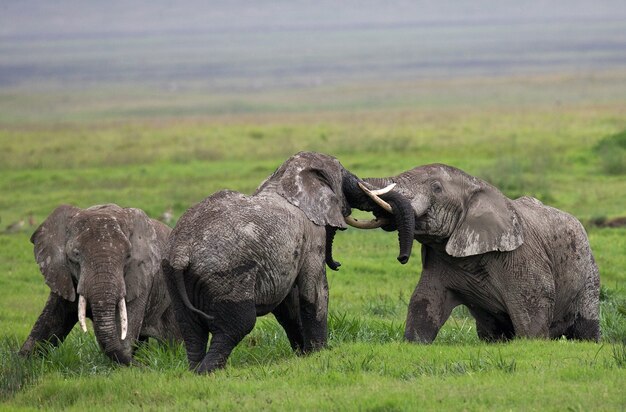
555	153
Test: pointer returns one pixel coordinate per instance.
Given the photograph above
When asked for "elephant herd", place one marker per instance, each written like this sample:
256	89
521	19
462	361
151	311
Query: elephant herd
520	267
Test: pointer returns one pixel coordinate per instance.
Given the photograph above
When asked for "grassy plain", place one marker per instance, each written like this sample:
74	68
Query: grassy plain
175	157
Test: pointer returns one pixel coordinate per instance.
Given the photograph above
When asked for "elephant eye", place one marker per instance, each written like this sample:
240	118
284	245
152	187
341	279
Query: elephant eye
436	187
74	254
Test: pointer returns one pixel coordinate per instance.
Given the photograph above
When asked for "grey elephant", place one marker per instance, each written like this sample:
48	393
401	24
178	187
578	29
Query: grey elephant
103	263
234	257
521	268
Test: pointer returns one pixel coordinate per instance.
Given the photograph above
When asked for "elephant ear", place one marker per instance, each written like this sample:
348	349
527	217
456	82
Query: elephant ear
490	224
49	241
312	182
143	263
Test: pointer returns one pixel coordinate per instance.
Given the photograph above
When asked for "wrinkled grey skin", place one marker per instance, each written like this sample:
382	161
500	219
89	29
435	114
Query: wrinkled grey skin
522	268
233	257
103	253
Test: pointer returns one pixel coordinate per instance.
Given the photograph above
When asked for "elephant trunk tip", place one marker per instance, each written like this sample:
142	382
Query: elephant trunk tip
403	259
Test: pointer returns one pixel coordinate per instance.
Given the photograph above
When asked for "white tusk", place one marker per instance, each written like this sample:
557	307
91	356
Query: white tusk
82	308
370	224
123	318
384	190
380	202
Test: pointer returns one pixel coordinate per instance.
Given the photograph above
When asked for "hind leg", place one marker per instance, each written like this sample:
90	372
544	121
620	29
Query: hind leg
233	321
587	321
193	330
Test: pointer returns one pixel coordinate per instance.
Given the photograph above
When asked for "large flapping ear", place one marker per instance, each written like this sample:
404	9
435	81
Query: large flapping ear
49	241
312	182
490	224
144	260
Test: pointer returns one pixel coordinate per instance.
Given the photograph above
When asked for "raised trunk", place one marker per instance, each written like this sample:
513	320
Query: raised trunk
355	196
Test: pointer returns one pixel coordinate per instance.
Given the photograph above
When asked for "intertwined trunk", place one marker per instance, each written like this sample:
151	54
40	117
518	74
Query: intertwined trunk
403	214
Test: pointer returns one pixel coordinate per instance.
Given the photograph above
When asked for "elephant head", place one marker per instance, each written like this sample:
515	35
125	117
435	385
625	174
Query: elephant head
463	214
107	257
326	192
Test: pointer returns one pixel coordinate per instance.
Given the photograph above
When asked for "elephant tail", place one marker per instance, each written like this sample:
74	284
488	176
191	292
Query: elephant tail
179	281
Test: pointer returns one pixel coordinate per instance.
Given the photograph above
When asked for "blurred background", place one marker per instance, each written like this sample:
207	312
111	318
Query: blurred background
73	60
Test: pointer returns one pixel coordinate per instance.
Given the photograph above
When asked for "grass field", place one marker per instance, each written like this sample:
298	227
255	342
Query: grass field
569	154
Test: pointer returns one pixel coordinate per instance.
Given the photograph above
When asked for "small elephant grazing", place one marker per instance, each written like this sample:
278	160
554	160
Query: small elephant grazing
522	268
110	257
234	257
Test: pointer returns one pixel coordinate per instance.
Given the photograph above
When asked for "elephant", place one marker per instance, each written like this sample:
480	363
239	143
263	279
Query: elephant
523	269
232	257
110	257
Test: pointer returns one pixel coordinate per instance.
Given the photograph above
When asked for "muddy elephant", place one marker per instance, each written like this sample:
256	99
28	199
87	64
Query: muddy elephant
234	257
521	268
103	263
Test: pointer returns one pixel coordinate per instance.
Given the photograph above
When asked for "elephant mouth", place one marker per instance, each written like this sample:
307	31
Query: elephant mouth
382	222
121	307
396	214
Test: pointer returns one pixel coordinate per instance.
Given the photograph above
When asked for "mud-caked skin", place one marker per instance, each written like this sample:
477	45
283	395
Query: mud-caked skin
522	268
104	254
236	257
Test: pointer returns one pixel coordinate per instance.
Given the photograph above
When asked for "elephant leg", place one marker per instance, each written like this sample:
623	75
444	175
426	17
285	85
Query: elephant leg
233	321
429	308
531	306
587	323
491	328
53	325
313	293
287	313
194	332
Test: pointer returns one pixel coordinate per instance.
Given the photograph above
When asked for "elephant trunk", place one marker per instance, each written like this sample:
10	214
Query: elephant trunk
104	291
402	210
330	237
105	327
354	194
405	222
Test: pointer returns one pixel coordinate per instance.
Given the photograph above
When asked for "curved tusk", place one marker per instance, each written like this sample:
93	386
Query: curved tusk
384	190
123	318
82	309
380	202
361	224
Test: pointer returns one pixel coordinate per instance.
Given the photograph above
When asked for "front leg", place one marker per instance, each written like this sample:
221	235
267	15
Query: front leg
429	308
431	303
53	325
313	289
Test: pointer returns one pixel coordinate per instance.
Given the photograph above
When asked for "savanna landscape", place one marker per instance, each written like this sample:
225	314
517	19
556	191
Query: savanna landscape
160	119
